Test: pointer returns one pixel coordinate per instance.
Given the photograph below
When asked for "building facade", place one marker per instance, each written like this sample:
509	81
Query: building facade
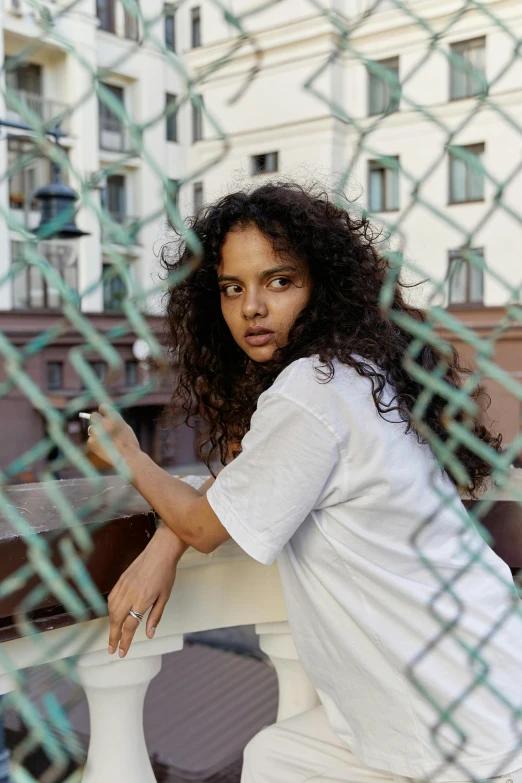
421	122
404	125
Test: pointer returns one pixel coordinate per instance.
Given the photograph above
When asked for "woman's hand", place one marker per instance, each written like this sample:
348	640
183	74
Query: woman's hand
119	432
147	582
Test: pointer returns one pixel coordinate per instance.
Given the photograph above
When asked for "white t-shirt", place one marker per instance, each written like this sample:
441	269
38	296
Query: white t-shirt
351	505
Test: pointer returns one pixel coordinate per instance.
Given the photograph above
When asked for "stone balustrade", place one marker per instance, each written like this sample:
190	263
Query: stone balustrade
223	589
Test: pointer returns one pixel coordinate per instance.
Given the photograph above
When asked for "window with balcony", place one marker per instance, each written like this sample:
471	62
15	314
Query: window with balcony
132	28
171	117
114	289
197	195
468	68
23	76
384	86
131	372
195	26
54	375
105	11
197	119
466	174
30	289
383	184
266	163
170	27
24	84
113	133
36	173
466	278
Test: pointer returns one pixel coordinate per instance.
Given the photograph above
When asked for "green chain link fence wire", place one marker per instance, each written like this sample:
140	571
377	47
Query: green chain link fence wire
48	726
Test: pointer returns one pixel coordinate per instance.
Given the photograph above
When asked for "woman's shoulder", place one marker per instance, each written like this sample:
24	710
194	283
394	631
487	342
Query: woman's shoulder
311	384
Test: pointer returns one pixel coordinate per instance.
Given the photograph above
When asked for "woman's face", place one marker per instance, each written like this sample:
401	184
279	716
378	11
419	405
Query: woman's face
261	293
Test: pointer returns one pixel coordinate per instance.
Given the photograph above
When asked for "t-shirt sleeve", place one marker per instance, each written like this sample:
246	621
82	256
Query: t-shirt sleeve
283	472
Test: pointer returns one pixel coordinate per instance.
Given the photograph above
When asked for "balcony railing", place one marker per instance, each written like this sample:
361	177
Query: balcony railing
128	234
114	136
221	590
51	112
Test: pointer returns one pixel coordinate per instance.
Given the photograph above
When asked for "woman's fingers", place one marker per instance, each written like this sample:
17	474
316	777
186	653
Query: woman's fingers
130	626
156	614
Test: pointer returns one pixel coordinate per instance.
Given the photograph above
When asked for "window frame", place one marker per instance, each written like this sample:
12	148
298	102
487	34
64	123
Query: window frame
171	120
195	24
169	12
59	364
131	25
371	77
255	171
466	45
468	304
376	164
111	15
478	148
198	187
197	121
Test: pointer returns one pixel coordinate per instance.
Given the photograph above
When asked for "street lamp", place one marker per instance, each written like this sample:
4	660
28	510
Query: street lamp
58	216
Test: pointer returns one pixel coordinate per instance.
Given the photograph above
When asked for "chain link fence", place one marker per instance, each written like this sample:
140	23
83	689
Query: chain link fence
40	154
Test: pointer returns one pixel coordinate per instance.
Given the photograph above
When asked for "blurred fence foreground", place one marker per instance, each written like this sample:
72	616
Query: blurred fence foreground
115	116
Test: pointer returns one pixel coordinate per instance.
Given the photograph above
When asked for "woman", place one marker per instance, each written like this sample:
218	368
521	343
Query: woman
284	348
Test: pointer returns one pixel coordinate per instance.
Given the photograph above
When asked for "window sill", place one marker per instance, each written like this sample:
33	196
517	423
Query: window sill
466	306
468	201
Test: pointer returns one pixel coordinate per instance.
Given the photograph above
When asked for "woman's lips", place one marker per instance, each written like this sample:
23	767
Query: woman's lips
259	339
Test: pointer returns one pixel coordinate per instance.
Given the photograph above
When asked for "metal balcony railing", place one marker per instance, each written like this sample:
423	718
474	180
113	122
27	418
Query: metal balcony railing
51	112
129	224
114	136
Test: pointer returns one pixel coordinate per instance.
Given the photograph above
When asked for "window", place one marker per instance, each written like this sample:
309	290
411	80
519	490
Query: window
173	192
195	21
106	15
114	289
170	28
131	372
113	198
24	76
171	117
35	173
383	184
132	28
54	375
264	164
197	120
384	87
466	281
113	134
99	367
30	289
197	195
467	68
467	174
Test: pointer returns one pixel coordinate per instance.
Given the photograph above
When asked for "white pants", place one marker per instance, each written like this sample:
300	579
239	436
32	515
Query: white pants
304	749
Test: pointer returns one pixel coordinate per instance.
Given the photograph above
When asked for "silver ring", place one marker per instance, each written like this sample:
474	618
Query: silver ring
136	615
89	430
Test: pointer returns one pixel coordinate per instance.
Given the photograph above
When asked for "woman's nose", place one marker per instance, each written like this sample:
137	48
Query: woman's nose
254	305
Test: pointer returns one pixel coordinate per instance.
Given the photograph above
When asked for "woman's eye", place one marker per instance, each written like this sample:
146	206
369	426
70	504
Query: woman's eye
280	280
226	289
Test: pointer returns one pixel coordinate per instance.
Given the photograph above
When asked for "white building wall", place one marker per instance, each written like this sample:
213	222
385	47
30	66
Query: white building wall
277	113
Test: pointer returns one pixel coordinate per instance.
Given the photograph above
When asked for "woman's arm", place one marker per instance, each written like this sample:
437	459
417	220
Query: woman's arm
182	508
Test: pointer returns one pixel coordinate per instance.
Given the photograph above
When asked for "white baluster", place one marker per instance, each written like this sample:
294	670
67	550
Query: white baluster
115	691
296	692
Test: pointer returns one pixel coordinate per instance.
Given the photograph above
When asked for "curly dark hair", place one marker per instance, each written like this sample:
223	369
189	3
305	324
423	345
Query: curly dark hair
344	319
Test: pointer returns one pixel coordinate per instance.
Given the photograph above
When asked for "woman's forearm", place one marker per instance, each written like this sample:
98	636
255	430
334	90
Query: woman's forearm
170	497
